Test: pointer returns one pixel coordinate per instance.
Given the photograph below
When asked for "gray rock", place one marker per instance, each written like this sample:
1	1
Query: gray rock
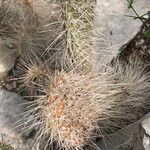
7	58
146	127
14	126
113	28
133	137
128	138
146	124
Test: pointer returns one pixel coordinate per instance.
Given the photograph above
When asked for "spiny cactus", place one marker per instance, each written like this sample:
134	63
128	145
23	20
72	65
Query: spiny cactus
78	17
33	75
70	107
29	32
74	108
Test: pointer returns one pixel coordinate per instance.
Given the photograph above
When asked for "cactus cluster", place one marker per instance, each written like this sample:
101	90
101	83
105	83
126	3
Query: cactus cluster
69	101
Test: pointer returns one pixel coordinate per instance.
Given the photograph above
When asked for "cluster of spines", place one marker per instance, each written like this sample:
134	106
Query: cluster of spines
75	108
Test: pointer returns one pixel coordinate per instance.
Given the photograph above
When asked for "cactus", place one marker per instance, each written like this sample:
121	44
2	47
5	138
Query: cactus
79	32
70	101
75	108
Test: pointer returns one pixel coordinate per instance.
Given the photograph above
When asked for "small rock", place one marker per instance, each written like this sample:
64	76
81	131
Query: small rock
146	124
133	137
14	129
7	58
146	142
146	127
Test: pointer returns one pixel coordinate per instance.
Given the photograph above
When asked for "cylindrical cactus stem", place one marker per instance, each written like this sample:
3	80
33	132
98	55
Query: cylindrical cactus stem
78	16
68	116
